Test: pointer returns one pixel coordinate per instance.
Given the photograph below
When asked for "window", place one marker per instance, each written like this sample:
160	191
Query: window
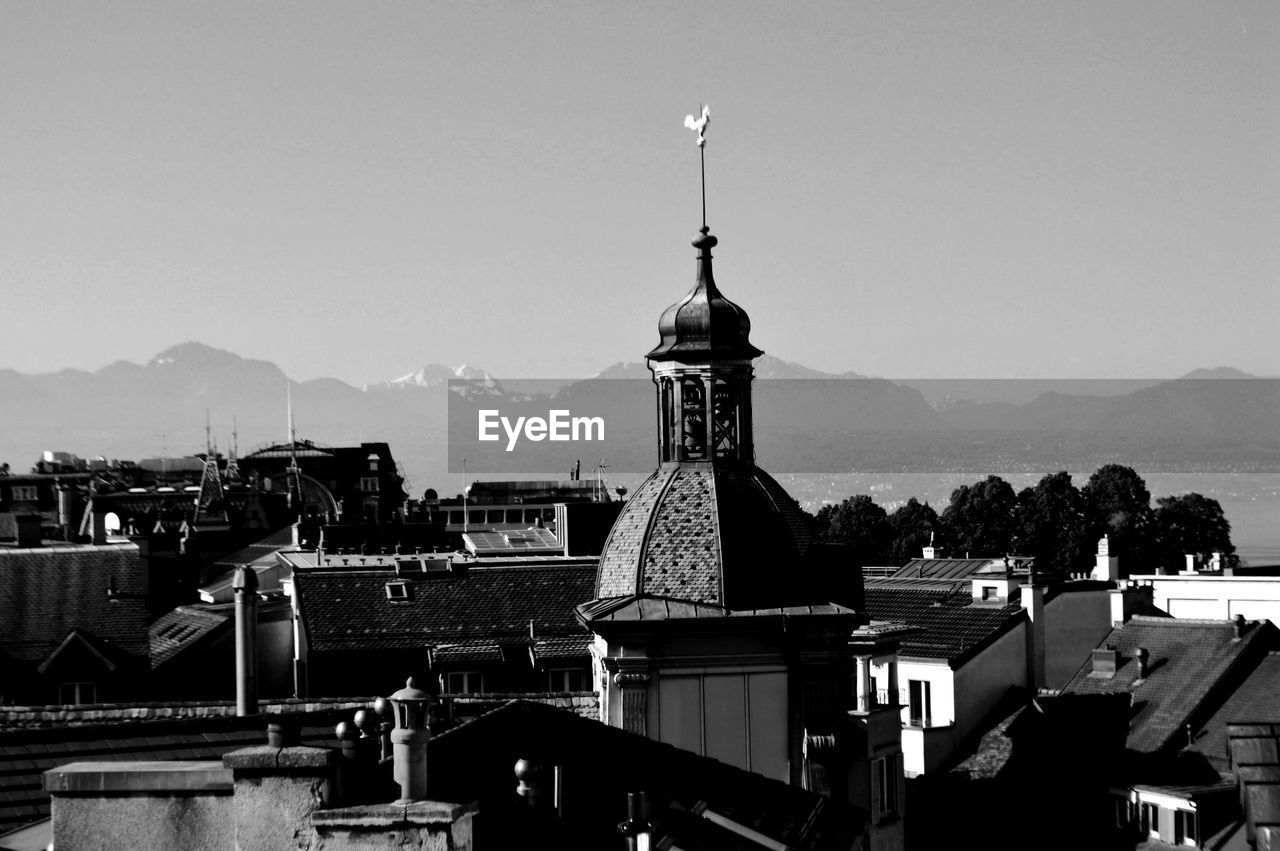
475	516
920	702
24	493
566	679
1184	828
369	484
1124	813
885	774
464	682
1149	822
455	518
398	591
76	693
373	463
495	515
990	592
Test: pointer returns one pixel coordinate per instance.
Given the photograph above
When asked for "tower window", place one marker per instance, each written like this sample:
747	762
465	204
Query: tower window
693	419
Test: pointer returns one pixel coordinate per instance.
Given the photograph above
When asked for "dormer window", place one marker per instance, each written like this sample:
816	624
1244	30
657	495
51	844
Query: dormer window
990	593
369	484
398	591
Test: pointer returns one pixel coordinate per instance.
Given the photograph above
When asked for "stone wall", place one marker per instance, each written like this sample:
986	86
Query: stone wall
98	806
33	717
586	704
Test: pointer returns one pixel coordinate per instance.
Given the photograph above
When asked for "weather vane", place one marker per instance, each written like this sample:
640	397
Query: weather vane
699	126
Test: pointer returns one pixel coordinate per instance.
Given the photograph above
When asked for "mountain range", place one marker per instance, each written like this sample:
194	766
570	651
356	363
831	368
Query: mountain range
810	422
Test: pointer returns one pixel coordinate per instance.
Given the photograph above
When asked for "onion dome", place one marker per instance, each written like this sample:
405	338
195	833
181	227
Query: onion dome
704	325
724	537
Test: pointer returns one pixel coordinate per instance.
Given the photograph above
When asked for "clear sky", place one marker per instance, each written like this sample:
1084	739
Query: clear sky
902	189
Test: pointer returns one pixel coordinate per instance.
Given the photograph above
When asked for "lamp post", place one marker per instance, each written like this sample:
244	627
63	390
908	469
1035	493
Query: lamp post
409	741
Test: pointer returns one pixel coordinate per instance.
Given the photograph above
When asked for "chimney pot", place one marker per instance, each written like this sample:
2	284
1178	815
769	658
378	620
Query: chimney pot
1239	626
1142	655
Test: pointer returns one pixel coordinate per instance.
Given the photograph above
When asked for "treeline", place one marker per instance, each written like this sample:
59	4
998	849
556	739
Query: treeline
1055	522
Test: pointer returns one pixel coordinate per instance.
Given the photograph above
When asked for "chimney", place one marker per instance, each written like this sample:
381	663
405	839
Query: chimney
1105	660
1032	597
1106	566
409	742
28	530
245	586
1191	563
1129	600
1215	561
99	533
1142	656
1239	626
930	551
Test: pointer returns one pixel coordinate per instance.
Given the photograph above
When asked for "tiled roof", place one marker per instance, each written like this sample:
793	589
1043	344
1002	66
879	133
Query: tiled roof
1186	664
677	782
944	568
661	609
184	627
703	535
48	591
1255	699
952	627
26	754
343	610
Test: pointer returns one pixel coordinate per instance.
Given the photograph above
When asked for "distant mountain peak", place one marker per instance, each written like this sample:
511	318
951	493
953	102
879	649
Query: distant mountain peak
1220	372
194	353
436	375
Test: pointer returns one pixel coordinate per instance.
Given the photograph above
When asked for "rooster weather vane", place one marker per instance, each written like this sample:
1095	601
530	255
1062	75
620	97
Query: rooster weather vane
699	126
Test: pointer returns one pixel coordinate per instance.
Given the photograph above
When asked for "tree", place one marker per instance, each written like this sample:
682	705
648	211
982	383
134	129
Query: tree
1118	504
980	518
1194	524
911	527
1051	524
859	522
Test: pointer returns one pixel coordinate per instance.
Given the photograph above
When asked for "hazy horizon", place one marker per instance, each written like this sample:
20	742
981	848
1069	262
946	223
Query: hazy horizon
994	190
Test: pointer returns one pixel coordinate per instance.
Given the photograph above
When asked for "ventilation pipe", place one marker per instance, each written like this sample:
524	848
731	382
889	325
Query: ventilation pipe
245	586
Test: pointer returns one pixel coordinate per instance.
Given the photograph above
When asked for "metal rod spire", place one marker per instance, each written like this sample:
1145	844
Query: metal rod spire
702	156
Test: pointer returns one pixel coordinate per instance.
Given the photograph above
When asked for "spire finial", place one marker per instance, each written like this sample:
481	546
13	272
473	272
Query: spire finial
699	125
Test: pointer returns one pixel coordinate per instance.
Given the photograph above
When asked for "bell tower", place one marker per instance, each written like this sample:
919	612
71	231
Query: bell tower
702	369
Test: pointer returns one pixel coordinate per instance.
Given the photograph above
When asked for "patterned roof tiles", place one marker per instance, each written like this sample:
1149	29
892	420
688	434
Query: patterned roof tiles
705	535
1187	662
346	610
46	592
951	627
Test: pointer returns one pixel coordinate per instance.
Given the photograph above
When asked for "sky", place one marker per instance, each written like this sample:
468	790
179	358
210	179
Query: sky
949	190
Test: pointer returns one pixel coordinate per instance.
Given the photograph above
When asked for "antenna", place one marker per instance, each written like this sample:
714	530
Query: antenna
208	434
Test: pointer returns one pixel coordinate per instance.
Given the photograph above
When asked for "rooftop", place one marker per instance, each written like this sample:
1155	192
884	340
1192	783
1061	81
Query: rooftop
951	626
1254	700
1187	662
349	609
49	591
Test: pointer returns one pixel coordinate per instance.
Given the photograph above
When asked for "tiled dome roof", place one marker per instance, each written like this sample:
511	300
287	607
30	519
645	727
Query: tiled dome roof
707	535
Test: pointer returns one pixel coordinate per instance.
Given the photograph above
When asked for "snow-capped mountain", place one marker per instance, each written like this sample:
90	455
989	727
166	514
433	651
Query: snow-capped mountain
437	375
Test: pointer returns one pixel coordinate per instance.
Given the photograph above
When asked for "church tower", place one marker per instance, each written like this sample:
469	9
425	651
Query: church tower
721	626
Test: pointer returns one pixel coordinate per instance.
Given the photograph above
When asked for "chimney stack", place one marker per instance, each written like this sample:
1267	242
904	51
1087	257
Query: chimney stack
1142	656
409	742
245	586
1240	626
1106	566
